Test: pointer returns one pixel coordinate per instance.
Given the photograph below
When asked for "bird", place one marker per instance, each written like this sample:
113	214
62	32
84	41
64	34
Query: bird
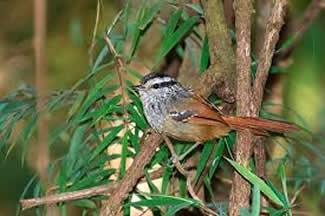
180	113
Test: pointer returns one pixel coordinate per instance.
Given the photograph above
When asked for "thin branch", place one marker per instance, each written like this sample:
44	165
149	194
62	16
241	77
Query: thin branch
41	85
93	40
189	177
132	176
271	37
68	196
302	25
240	191
295	196
89	192
121	72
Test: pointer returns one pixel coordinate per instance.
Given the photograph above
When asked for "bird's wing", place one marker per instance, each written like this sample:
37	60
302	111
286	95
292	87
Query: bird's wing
196	110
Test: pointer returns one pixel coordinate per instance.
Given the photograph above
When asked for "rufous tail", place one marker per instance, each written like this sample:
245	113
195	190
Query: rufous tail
259	126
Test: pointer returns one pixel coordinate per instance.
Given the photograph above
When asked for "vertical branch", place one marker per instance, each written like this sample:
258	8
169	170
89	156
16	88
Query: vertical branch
240	191
271	36
41	85
265	58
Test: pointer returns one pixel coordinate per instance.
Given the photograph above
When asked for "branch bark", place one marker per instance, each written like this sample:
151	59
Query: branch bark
240	191
132	176
68	196
249	100
221	72
41	85
271	37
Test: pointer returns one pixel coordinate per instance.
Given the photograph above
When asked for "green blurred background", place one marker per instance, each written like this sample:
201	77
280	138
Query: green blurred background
70	29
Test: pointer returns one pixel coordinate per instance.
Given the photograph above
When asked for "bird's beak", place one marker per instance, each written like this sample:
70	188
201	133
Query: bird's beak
137	88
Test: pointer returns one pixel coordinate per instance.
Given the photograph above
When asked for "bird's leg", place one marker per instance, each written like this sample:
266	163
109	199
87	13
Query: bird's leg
181	157
175	160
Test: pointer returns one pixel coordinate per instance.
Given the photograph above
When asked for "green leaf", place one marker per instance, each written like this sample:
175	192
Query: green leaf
93	179
172	23
284	185
135	139
152	186
76	104
165	180
182	187
276	70
172	210
135	40
150	14
171	38
98	114
136	117
256	205
196	7
277	192
85	203
207	149
27	133
144	17
252	178
164	200
204	61
103	53
95	93
76	141
322	190
160	156
217	156
107	140
125	142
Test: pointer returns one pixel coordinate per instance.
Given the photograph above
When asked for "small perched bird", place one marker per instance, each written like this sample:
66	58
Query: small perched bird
178	112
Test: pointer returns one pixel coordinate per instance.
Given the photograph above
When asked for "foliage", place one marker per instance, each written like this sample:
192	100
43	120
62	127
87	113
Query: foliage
85	163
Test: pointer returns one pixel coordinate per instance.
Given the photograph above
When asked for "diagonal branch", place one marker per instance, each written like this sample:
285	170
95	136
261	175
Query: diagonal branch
271	37
132	176
302	25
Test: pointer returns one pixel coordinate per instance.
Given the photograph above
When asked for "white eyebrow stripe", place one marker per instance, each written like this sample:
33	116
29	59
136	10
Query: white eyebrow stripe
158	80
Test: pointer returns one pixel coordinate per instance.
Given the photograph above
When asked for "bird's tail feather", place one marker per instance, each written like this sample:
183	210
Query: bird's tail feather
260	126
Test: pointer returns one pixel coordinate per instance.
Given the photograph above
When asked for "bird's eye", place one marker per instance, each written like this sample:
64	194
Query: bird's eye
155	86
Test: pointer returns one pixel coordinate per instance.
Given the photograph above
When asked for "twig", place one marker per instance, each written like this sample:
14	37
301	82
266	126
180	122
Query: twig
132	176
93	40
189	176
264	63
86	193
240	191
120	71
68	196
176	162
271	36
41	85
302	25
295	196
